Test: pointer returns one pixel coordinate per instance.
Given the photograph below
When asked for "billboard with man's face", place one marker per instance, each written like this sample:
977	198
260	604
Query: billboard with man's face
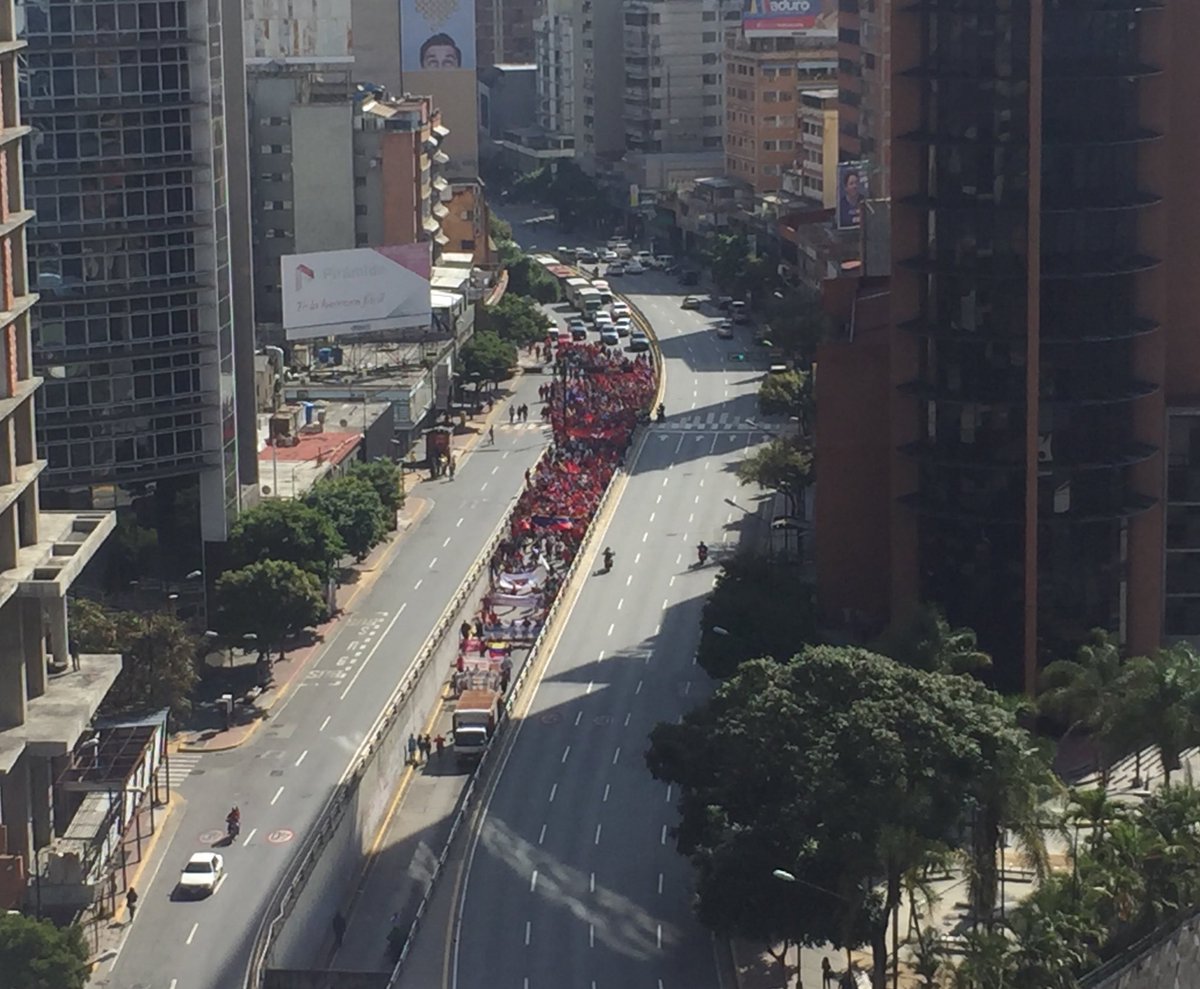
851	193
776	18
437	35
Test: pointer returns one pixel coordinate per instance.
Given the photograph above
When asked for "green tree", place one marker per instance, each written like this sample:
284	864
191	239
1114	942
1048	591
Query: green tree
797	323
528	279
784	465
384	477
35	954
1160	703
159	655
485	357
271	600
744	605
844	764
354	508
287	530
789	394
516	319
926	641
728	256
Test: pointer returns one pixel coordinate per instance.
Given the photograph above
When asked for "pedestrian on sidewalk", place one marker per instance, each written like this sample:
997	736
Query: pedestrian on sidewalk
492	435
440	742
826	973
464	631
527	476
512	414
339	930
427	745
452	464
131	898
412	748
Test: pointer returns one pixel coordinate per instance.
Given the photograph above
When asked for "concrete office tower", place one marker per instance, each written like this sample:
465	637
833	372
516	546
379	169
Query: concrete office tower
504	31
673	89
865	80
554	55
136	171
765	78
1039	468
599	71
47	696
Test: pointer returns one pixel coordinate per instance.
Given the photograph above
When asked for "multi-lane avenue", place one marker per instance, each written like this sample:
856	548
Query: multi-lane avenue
282	776
572	878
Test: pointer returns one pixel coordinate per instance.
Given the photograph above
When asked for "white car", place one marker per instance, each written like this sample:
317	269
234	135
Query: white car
602	321
638	341
609	338
623	326
619	309
609	256
202	874
644	258
634	267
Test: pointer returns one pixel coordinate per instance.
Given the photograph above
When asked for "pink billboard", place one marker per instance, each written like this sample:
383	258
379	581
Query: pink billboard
768	18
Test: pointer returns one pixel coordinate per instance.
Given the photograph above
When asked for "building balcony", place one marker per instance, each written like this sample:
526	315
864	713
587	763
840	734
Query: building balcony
984	455
1085	133
1095	201
984	202
1098	68
1072	331
1096	265
1010	268
1006	386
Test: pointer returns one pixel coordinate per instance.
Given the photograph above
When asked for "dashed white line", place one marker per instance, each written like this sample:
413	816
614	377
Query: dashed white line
458	523
691	518
636	557
496	468
663	837
325	722
627	717
616	756
252	833
666	603
658	500
600	657
629	580
657	628
597	839
671	582
528	931
417	585
687	687
660	883
192	934
652	514
604	799
668	793
303	756
696	501
433	563
645	536
701	482
620	604
553	791
542	834
610	628
533	882
638	689
276	797
592	937
484	488
658	938
566	752
678	559
592	883
446	543
578	718
591	684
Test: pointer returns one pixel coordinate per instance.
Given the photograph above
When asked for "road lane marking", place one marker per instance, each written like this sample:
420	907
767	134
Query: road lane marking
378	642
696	501
504	455
252	833
610	629
660	883
566	752
597	839
652	518
645	536
578	718
417	585
458	523
591	684
665	479
668	793
193	932
657	629
276	797
658	501
553	791
446	543
687	687
325	722
627	717
629	579
701	485
484	488
433	563
663	838
678	559
174	982
542	834
658	939
616	756
592	883
637	557
496	468
533	882
671	582
528	931
691	518
600	658
639	688
303	756
620	604
592	937
604	799
666	604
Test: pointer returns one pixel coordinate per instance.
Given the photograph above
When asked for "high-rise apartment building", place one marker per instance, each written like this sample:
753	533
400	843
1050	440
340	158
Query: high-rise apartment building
48	693
504	31
764	81
136	171
599	69
865	80
554	55
1036	387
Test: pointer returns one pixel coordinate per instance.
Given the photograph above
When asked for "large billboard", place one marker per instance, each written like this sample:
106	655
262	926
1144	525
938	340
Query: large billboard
773	18
851	193
437	35
361	290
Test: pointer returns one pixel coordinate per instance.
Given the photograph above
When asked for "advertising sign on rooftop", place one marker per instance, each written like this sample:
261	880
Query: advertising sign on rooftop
778	18
361	290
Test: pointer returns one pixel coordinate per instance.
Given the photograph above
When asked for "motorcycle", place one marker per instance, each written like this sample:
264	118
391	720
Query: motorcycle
702	554
608	560
233	823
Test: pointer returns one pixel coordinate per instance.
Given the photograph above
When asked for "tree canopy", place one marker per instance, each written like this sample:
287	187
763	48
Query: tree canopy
744	604
35	954
353	506
271	599
384	477
924	640
789	394
527	278
841	767
515	319
159	655
784	465
485	357
288	530
798	323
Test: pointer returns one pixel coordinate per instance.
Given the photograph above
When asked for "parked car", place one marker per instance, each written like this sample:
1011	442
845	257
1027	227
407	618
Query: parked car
638	341
609	338
616	268
690	302
634	267
725	329
623	326
202	874
585	255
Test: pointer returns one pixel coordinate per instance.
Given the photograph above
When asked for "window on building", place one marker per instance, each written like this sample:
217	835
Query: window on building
770	96
708	37
709	79
710	59
709	15
466	245
710	101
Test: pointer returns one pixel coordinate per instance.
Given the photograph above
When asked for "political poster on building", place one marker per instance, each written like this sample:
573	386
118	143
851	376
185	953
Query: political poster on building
851	193
777	18
437	35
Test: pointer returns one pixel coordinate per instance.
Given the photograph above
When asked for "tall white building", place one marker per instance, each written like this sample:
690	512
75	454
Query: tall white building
554	53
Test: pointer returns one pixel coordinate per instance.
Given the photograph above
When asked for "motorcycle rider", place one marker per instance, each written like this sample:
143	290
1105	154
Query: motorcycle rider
608	559
233	821
662	412
702	553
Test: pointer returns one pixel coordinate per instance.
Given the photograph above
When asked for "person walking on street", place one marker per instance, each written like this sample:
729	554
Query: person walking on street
492	435
452	464
427	745
826	973
412	748
512	414
440	742
131	898
339	930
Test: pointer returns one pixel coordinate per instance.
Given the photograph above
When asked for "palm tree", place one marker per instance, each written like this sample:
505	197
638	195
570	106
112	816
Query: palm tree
1160	703
1094	809
987	962
1084	692
927	641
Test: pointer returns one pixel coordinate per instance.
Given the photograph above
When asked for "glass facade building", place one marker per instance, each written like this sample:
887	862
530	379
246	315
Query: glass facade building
130	251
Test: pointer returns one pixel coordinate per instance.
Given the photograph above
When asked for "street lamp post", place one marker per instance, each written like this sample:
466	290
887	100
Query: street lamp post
790	877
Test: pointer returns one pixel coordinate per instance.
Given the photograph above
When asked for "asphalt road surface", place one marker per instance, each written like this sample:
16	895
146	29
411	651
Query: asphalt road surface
283	775
574	879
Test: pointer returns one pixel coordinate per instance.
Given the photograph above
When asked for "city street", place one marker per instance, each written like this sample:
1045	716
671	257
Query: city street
283	775
574	879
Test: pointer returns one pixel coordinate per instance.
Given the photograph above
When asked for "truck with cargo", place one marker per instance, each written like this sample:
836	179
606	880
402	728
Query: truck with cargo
475	717
572	287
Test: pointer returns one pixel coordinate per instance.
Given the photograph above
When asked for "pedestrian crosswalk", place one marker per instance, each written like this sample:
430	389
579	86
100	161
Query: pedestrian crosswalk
723	421
183	764
540	424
